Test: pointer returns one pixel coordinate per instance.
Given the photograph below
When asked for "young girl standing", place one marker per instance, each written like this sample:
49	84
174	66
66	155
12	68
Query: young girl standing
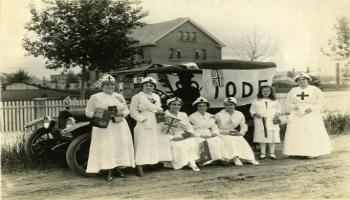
265	110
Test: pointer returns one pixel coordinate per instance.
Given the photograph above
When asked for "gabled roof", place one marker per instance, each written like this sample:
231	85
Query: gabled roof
151	33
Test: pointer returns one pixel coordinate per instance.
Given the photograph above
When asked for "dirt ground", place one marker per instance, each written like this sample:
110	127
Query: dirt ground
322	178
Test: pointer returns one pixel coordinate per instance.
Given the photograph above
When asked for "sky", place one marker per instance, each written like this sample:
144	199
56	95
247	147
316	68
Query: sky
300	28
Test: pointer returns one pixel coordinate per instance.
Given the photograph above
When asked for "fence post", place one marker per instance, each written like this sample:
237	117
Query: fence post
39	107
2	117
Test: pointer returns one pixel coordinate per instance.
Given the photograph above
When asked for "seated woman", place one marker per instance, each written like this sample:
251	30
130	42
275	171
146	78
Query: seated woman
180	137
228	120
205	127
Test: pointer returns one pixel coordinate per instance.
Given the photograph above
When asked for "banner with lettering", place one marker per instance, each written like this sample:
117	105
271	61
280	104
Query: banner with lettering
218	84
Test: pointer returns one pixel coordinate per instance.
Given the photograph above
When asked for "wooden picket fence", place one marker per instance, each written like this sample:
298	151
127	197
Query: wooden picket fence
15	114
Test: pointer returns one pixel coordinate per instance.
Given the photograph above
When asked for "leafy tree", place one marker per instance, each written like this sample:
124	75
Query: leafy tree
72	78
339	45
91	34
253	44
20	76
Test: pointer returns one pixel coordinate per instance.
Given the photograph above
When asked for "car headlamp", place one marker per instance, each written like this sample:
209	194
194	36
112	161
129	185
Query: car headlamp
70	122
47	122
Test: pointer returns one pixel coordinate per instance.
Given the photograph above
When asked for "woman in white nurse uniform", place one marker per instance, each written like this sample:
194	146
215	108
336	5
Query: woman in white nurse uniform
110	147
206	128
228	120
306	134
147	138
181	138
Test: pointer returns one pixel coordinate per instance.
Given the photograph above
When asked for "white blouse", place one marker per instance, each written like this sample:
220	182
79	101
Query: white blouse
103	100
143	102
181	126
228	122
309	97
204	125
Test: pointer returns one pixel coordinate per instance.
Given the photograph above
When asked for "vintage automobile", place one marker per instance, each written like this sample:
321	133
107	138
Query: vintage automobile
70	132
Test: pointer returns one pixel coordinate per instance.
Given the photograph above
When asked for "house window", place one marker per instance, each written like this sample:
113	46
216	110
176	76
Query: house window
171	53
178	54
188	35
204	54
193	36
181	35
197	54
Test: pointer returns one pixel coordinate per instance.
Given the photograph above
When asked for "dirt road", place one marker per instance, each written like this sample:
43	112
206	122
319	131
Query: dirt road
321	178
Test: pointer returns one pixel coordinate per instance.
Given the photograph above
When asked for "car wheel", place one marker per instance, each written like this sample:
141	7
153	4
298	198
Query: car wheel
78	153
38	143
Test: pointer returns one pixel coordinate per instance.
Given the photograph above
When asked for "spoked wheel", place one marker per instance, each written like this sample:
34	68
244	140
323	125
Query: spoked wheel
78	153
39	143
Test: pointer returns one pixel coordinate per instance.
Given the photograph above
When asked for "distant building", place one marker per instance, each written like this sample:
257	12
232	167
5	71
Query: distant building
28	91
175	41
60	81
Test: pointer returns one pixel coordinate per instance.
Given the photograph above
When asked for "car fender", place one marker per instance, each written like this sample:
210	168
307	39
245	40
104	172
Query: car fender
76	127
34	122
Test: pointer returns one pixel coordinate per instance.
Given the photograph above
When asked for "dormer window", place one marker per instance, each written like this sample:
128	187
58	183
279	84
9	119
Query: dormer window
188	35
193	36
181	35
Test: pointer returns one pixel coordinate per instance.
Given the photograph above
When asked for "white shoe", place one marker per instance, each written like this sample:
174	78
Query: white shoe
193	166
254	162
237	162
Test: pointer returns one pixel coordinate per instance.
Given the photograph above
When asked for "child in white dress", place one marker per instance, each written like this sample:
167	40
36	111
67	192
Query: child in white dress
265	110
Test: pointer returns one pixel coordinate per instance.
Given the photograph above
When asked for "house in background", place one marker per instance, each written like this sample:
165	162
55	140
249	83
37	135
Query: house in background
176	41
28	91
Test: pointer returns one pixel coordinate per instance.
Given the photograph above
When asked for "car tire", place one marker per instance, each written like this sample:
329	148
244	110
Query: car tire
78	153
47	141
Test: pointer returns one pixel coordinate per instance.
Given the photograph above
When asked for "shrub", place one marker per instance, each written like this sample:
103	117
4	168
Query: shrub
336	123
14	159
13	156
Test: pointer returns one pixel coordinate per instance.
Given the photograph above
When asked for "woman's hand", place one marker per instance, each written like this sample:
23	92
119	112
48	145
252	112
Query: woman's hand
235	133
177	139
204	137
296	108
118	118
98	109
257	115
308	110
182	125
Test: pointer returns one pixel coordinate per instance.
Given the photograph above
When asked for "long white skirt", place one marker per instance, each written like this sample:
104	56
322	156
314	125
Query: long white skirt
183	152
217	148
111	147
306	135
237	146
148	142
273	136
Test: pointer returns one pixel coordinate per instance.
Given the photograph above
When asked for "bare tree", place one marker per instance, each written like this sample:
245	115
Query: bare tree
253	44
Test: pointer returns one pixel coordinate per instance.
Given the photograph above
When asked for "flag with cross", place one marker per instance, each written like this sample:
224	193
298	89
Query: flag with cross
217	77
67	102
170	124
